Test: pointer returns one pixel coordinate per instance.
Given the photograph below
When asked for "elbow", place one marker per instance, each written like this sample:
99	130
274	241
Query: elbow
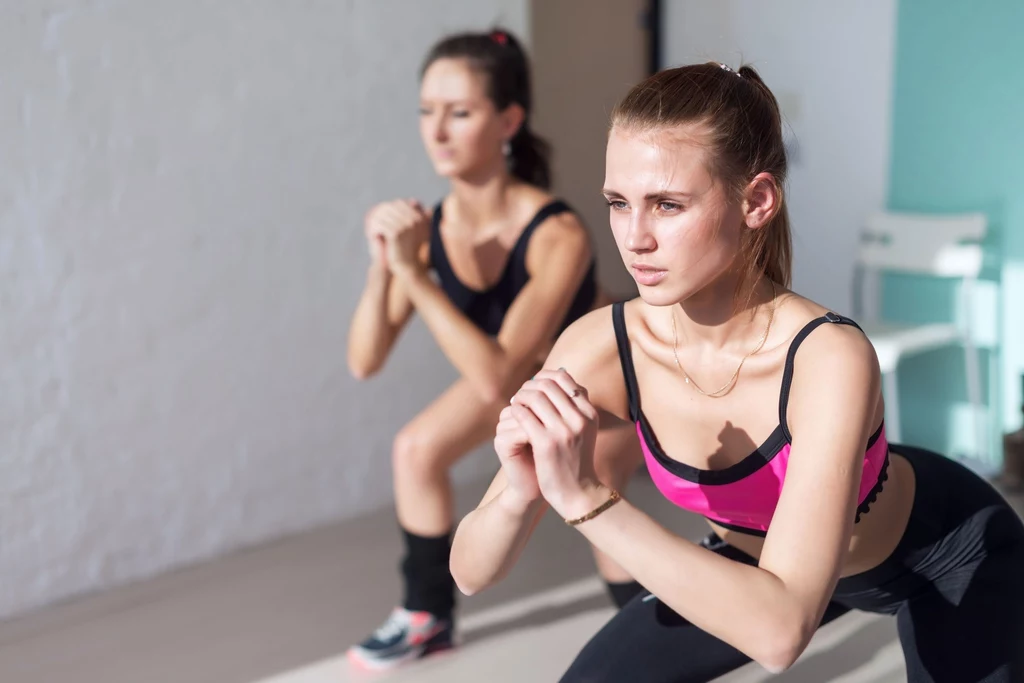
781	650
492	387
777	662
360	367
499	382
490	392
465	587
468	569
360	372
464	580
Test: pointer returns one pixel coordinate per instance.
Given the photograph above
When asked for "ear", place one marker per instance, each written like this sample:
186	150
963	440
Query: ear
761	201
512	119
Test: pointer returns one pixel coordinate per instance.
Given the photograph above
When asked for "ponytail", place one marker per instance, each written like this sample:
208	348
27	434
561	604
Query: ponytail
529	158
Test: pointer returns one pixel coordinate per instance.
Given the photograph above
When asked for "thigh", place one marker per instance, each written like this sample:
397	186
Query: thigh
452	425
646	642
970	626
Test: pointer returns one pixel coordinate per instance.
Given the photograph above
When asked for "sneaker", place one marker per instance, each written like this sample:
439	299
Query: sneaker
405	636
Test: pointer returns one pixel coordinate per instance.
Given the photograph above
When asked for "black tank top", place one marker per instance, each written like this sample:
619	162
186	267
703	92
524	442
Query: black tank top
487	308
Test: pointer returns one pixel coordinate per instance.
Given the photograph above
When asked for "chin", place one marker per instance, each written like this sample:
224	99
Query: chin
659	296
447	169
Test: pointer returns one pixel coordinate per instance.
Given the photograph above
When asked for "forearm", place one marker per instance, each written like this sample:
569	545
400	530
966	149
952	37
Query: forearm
490	539
745	606
371	333
477	357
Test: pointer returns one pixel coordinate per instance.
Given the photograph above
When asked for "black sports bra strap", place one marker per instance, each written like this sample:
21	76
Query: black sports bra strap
787	373
626	359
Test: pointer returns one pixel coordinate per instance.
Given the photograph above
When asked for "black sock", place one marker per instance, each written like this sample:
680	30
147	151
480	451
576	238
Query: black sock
623	592
429	586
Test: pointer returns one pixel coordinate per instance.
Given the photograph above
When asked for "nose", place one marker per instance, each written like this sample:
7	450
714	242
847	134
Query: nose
440	127
639	237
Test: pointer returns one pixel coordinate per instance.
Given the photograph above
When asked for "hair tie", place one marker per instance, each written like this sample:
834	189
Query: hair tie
499	37
730	70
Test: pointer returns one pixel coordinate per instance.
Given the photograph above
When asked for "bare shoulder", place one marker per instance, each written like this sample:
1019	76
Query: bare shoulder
837	346
592	334
837	342
560	238
835	370
587	349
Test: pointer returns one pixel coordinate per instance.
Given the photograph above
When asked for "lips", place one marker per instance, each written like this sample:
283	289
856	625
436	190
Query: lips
647	275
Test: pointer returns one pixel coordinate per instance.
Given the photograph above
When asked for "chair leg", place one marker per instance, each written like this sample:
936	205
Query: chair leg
972	363
891	394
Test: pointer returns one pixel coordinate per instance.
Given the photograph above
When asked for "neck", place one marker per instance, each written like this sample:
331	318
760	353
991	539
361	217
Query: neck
482	198
712	318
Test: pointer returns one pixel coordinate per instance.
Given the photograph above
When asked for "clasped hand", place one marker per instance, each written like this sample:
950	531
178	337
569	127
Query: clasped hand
545	440
396	232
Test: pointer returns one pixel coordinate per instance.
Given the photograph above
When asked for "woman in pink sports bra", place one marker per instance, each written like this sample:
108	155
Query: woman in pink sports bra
754	407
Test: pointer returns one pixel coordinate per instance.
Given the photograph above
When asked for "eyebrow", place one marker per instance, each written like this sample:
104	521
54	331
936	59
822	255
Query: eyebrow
650	196
463	103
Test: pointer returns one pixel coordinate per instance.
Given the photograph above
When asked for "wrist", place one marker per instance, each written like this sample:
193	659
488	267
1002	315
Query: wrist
516	503
377	274
588	497
411	273
409	270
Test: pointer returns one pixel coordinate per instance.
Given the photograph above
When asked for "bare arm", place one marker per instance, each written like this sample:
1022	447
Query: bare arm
770	611
557	260
489	540
383	310
384	307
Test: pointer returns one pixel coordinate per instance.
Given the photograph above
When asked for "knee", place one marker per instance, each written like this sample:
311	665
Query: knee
414	453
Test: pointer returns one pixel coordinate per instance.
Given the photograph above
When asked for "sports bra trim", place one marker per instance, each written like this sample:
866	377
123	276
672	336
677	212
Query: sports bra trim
439	254
763	454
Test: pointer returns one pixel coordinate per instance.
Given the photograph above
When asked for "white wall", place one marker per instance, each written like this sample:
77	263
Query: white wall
181	191
830	65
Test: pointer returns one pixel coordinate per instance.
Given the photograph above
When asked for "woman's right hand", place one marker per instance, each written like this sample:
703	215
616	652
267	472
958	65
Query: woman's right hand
373	227
516	456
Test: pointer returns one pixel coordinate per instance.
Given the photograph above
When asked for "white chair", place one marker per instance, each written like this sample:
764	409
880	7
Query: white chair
921	244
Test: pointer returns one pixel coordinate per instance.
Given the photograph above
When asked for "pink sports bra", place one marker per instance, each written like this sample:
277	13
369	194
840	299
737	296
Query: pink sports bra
743	496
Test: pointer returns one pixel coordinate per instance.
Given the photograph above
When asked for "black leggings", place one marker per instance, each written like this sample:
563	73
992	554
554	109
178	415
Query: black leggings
955	583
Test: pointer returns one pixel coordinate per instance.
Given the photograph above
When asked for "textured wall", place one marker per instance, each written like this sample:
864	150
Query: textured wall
181	190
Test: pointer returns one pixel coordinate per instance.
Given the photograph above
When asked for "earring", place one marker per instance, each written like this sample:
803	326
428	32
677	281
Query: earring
506	148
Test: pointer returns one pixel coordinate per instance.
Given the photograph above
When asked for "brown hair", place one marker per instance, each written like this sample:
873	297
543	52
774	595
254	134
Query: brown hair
745	126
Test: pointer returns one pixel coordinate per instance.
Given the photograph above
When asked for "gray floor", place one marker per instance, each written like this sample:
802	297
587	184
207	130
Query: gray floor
284	613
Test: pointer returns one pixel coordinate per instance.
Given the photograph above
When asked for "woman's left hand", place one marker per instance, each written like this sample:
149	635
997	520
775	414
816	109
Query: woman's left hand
561	424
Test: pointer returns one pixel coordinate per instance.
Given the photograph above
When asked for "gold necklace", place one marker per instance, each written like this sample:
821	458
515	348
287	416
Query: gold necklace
728	385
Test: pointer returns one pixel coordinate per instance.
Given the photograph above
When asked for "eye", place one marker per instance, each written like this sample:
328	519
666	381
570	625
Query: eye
424	111
669	207
617	204
460	113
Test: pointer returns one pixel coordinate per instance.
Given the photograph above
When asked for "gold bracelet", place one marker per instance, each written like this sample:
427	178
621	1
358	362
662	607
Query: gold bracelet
612	500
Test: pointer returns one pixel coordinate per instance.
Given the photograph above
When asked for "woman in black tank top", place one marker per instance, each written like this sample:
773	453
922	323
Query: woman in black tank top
495	271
